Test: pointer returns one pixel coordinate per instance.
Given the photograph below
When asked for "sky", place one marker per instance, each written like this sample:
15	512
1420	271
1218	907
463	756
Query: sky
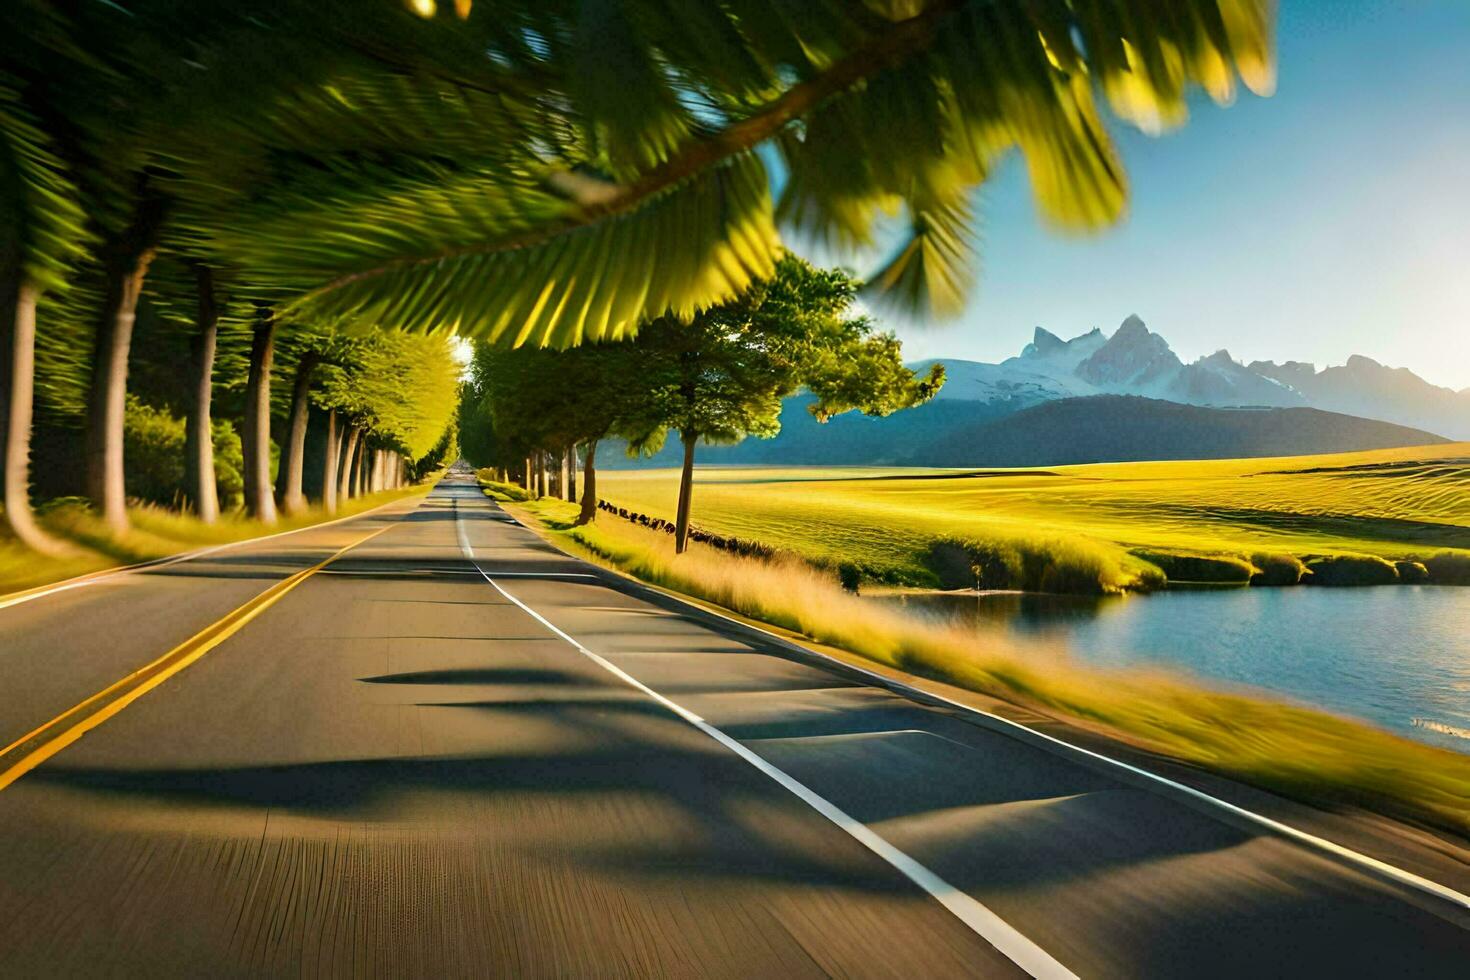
1330	219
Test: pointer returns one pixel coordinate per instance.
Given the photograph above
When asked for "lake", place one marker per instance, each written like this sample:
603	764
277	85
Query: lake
1396	656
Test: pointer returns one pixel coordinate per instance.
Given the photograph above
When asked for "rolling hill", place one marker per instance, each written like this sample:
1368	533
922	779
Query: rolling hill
1124	428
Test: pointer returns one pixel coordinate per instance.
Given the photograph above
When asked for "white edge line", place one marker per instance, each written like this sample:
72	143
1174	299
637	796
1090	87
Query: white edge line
1386	870
102	575
981	920
1383	868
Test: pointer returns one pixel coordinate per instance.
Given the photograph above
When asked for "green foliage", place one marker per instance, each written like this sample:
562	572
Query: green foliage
1202	569
42	226
402	388
502	491
491	192
229	463
1352	570
1411	572
724	375
154	442
1273	568
477	443
1448	568
545	399
1064	566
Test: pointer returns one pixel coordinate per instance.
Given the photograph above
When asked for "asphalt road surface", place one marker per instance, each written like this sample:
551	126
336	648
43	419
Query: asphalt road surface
452	750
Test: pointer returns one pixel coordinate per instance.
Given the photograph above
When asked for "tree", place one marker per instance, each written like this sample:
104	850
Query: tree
199	449
392	392
632	187
723	376
542	172
558	401
41	238
255	432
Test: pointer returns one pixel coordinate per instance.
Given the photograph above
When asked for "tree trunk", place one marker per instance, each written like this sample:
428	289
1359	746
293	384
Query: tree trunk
349	451
17	394
293	501
255	437
198	427
589	485
125	263
375	476
359	472
329	463
570	481
528	478
686	490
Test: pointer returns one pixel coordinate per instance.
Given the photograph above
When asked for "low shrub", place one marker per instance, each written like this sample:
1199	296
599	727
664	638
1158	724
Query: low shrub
849	576
1277	569
1212	569
154	446
1449	568
1341	570
502	491
1072	566
1412	572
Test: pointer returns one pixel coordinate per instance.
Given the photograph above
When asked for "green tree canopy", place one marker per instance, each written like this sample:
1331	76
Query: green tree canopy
723	376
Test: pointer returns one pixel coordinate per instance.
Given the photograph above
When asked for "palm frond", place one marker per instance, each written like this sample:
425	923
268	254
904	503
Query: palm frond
513	262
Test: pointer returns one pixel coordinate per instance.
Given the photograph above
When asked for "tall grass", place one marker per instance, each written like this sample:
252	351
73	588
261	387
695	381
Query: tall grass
1292	750
1075	566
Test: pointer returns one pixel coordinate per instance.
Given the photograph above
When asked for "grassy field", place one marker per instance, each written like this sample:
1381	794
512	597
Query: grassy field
1122	518
1296	751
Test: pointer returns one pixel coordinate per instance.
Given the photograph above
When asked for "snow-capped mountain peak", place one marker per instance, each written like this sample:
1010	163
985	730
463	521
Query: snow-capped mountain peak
1136	361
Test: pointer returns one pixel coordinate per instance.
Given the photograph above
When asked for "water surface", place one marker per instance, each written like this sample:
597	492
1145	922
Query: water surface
1396	656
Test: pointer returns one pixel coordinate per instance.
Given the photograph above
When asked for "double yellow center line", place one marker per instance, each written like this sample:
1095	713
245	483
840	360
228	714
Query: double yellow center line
35	747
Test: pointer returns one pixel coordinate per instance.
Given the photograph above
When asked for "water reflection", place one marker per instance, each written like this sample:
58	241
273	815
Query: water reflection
1397	656
1020	612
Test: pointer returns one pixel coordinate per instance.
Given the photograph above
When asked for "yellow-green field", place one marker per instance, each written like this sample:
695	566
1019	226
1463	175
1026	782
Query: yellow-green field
1397	504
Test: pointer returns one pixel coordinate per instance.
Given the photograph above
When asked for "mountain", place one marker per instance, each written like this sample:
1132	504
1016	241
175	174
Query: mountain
1136	361
1117	428
1133	361
847	440
1362	386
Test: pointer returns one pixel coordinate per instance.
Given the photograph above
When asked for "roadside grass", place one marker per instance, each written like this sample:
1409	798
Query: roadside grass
497	490
156	532
1399	505
1298	752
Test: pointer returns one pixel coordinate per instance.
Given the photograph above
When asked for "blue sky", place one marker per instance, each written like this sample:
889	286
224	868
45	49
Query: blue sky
1330	219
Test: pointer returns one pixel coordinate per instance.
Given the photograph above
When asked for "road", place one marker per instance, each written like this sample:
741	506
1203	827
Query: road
452	750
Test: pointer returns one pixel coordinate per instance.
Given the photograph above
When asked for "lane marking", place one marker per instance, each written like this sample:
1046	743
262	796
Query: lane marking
542	575
103	574
1346	854
35	747
980	919
1364	861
